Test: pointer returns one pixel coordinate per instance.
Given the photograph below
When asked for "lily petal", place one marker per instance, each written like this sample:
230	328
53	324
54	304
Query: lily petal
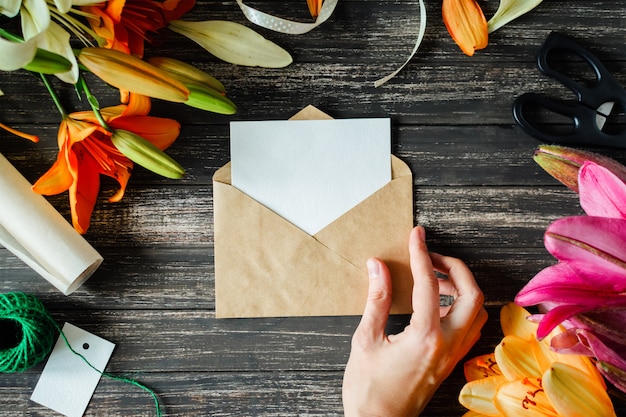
606	323
466	23
513	320
10	8
159	131
481	367
516	358
16	55
523	398
84	190
35	18
597	240
602	193
478	395
233	43
572	395
572	282
585	341
57	179
510	10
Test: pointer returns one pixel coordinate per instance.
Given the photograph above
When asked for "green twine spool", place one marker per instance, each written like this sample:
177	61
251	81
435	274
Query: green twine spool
28	332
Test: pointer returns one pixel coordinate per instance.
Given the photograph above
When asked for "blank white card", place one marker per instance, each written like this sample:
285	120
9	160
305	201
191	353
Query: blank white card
311	172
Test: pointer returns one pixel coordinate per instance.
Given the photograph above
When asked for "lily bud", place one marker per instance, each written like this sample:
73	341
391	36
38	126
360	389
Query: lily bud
144	153
46	62
130	73
185	73
466	23
563	163
571	394
208	99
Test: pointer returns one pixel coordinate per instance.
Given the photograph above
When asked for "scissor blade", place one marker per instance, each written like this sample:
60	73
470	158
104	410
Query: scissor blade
603	112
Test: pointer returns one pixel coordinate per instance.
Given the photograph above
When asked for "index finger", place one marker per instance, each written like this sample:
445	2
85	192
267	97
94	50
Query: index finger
468	299
425	283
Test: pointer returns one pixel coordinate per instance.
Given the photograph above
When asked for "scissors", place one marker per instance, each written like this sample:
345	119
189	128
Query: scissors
591	110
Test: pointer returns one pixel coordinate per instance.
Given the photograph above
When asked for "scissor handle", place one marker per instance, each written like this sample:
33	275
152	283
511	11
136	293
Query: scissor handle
585	130
605	89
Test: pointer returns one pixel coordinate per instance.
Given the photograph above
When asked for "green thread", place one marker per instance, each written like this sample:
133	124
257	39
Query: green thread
28	335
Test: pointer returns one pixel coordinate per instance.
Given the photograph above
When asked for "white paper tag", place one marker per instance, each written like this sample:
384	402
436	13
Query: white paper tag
67	382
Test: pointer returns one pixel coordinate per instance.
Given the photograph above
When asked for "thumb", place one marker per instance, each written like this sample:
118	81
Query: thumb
376	313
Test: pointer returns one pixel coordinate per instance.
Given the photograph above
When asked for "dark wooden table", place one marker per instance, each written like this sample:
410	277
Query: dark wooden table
477	191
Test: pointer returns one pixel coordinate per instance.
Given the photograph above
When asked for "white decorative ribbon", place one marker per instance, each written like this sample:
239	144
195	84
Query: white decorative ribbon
278	24
420	37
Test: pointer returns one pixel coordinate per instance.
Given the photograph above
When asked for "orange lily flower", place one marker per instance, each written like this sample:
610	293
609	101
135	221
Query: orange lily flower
86	151
466	24
125	24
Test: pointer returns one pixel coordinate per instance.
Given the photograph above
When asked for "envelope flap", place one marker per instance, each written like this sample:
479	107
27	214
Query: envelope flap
372	228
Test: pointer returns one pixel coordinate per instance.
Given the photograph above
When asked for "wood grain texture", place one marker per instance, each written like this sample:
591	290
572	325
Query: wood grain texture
477	191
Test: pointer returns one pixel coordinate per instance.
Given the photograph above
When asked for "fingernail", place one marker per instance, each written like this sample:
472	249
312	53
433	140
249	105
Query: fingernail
421	233
373	269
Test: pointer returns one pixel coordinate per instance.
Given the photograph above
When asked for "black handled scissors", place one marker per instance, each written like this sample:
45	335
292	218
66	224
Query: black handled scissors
591	110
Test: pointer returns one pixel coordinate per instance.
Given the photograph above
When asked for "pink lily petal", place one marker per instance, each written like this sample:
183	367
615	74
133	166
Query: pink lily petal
558	314
572	283
568	343
563	312
608	324
578	341
602	193
599	241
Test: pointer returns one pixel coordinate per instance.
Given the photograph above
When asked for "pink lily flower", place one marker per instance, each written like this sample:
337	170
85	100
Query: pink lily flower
586	290
591	274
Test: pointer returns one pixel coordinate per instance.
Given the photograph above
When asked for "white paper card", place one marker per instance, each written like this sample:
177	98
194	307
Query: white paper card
67	382
311	172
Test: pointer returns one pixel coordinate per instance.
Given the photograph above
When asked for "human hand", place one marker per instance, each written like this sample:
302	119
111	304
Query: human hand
396	375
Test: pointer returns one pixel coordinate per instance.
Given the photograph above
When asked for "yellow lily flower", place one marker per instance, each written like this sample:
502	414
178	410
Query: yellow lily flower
524	377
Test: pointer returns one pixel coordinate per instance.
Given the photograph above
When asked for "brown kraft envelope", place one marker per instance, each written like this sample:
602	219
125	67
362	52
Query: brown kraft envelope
267	267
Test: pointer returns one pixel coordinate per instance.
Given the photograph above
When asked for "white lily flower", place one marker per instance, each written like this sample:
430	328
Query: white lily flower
35	19
510	10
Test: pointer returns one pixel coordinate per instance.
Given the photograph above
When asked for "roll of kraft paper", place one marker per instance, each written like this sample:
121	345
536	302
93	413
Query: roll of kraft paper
36	233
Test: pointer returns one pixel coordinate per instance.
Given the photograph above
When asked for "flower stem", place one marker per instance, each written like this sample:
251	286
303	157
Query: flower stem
54	96
93	102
